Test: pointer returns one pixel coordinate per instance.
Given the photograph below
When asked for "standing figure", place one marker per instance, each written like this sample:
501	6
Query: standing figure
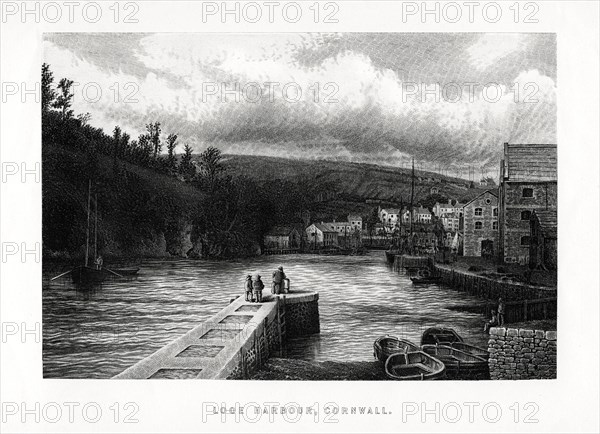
248	288
99	262
257	287
501	310
278	276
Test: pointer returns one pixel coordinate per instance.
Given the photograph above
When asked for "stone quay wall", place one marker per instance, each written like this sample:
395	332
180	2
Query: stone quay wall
235	342
517	354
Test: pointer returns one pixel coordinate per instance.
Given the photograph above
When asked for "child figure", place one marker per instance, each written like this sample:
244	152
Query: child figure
248	288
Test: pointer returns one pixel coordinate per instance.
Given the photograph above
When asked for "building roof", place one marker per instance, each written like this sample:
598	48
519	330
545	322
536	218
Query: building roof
493	193
354	217
533	163
323	227
548	221
391	210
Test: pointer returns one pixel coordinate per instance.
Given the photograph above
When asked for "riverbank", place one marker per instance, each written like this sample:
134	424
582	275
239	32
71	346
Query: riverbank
302	370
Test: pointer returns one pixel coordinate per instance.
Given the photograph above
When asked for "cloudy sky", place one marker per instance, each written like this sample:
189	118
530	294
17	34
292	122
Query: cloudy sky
445	99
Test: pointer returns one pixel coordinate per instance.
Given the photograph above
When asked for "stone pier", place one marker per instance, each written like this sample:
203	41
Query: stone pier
235	342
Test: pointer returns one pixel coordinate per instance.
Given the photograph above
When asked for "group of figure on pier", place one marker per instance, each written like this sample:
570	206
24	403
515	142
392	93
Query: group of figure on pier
254	285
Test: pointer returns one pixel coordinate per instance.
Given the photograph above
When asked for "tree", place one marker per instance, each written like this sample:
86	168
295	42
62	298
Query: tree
186	167
116	139
124	147
154	137
48	94
64	101
210	166
171	145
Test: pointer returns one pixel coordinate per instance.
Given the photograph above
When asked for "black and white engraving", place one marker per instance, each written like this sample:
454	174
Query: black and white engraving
299	206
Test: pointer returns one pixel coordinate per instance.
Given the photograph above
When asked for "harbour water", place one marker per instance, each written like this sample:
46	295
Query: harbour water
99	332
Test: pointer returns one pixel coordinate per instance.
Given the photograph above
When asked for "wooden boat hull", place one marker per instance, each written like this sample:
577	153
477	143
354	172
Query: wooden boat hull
457	362
126	271
415	365
385	346
440	335
471	349
87	275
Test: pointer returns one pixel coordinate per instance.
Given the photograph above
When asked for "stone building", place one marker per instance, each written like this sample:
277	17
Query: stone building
481	225
283	237
543	251
528	182
321	235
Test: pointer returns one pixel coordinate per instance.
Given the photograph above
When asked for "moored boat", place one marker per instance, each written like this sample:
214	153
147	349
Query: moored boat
385	346
457	361
425	280
415	365
126	271
471	349
440	335
88	275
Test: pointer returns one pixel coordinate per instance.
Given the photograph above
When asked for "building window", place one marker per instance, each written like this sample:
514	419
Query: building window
524	241
495	212
528	192
525	215
478	225
488	201
495	226
478	211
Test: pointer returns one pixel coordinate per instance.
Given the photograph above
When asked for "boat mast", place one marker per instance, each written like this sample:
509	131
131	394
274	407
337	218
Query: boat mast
96	226
412	197
87	233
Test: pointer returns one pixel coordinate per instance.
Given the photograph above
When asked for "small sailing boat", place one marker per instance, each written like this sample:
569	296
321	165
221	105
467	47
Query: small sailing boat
86	274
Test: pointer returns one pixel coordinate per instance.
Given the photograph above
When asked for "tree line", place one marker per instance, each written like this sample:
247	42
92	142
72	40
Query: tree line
229	215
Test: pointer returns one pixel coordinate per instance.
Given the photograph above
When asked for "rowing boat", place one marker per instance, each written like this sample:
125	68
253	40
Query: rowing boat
440	335
471	349
455	360
387	345
414	365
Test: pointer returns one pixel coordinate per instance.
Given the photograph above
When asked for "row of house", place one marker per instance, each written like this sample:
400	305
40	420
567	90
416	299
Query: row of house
516	222
391	217
316	235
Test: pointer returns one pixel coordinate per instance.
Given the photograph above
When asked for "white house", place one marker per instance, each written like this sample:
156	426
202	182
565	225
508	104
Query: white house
319	234
389	216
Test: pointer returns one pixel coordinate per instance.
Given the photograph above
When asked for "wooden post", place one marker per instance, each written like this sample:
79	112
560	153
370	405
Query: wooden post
524	310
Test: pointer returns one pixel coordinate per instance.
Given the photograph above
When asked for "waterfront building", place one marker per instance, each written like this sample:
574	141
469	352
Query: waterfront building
356	221
389	216
543	251
447	208
451	221
283	237
481	225
528	183
321	235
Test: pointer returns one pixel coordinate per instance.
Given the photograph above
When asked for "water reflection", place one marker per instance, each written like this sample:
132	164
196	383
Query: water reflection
97	332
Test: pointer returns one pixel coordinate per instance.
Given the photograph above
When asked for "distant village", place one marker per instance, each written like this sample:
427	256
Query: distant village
516	222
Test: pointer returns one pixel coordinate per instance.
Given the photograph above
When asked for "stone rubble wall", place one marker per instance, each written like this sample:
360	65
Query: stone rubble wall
517	354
